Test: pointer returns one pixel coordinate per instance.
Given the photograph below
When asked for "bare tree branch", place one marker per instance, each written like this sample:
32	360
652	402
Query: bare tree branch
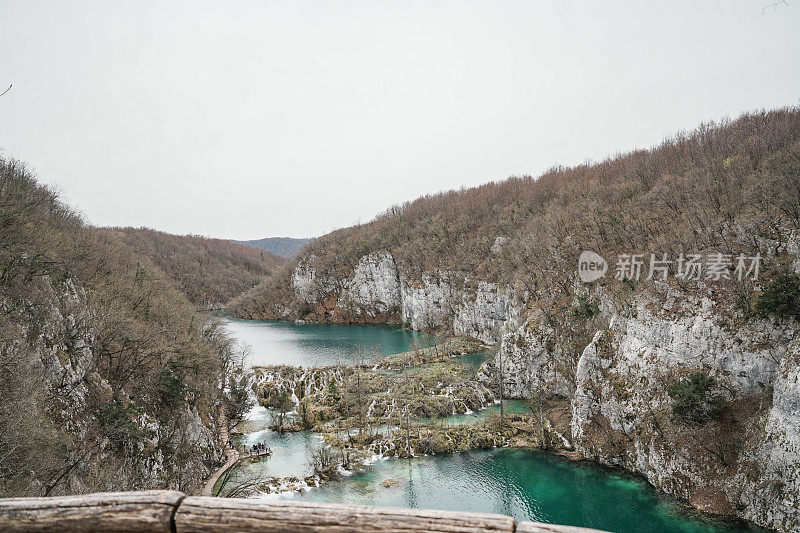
774	6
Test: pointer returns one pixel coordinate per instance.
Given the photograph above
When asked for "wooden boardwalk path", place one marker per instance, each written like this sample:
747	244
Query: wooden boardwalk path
231	452
234	456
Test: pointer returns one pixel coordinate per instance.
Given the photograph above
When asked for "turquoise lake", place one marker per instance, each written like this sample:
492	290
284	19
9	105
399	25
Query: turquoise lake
527	485
284	343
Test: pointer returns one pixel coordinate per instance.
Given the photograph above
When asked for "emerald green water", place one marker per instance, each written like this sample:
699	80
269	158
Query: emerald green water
284	343
524	484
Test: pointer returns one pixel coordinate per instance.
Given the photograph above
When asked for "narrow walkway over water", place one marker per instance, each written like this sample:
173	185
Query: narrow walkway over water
230	452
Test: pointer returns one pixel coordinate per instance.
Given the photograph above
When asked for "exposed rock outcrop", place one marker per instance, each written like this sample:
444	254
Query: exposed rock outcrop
378	290
532	362
745	463
428	303
374	287
483	315
57	322
308	285
768	482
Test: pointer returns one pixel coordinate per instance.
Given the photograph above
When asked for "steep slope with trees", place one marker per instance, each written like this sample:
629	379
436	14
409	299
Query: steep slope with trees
109	378
722	187
689	375
209	271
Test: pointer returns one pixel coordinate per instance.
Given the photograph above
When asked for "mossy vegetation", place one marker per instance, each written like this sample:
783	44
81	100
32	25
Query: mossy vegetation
586	308
363	395
441	351
694	399
781	298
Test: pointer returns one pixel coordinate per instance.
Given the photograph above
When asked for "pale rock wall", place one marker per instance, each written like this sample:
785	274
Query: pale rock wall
374	287
58	324
531	362
793	248
497	246
484	315
64	340
454	302
621	409
308	284
428	304
773	497
438	300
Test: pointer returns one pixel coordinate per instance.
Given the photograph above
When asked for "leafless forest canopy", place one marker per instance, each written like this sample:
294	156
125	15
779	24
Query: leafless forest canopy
725	187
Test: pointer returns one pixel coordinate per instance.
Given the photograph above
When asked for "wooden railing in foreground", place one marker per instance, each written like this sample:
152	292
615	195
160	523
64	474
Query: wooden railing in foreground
170	512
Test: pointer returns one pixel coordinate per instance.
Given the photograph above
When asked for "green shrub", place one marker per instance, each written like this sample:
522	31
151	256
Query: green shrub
694	400
333	389
118	423
237	400
170	389
586	308
781	298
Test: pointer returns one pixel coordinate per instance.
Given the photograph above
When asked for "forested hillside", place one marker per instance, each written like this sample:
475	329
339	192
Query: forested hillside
287	247
209	271
111	380
697	191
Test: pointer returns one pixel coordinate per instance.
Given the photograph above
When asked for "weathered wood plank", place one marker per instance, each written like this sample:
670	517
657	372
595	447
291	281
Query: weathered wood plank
201	514
108	512
536	527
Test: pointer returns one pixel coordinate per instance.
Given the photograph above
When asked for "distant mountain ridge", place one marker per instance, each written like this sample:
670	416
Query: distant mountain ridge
287	247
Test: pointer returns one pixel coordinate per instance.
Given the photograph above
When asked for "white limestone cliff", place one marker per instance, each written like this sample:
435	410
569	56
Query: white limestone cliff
747	465
438	300
374	287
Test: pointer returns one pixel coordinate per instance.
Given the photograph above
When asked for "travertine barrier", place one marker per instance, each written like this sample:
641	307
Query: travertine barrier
170	511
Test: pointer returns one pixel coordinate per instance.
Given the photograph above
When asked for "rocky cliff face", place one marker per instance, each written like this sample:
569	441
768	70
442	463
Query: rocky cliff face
532	362
770	488
57	323
378	290
57	326
428	302
745	463
483	314
374	287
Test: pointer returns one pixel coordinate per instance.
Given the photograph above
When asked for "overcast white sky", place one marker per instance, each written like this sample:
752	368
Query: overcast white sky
252	119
